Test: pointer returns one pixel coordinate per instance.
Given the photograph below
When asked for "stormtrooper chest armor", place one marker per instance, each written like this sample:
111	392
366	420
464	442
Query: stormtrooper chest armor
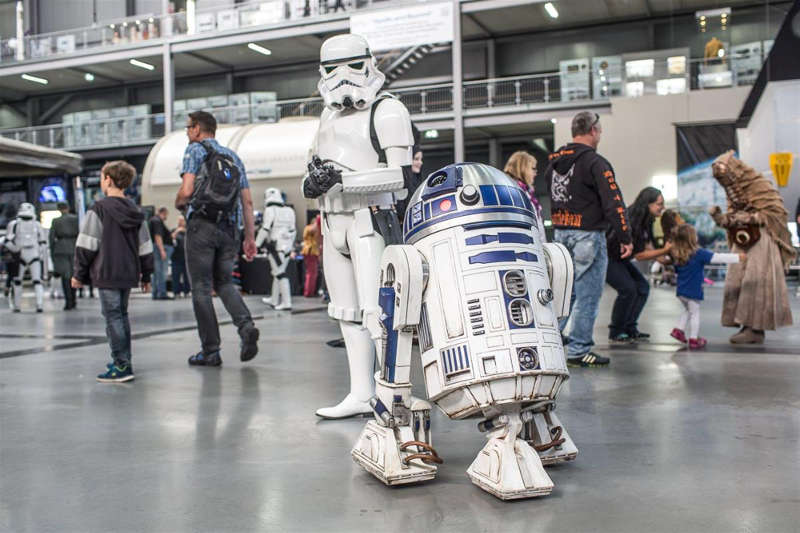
344	139
27	233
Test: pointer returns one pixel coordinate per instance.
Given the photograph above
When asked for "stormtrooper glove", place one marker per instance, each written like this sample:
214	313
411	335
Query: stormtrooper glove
320	178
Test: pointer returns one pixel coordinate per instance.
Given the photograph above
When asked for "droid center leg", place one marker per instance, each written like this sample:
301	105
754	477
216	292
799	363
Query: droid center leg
396	446
507	466
545	433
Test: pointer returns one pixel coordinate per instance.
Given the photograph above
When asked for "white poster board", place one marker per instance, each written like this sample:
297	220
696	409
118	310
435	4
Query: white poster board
390	29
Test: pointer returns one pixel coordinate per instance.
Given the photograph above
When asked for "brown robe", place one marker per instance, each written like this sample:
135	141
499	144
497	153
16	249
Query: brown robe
755	295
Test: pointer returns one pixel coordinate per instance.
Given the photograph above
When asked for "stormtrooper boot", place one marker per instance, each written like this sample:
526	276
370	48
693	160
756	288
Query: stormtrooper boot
285	293
360	357
272	301
39	295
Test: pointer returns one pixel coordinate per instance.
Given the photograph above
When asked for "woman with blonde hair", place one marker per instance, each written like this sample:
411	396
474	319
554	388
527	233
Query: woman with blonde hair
521	167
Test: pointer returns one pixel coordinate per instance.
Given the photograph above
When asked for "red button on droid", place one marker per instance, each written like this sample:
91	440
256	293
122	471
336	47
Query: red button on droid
445	205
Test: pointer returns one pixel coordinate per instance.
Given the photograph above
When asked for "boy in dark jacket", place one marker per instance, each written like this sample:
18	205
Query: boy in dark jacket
114	252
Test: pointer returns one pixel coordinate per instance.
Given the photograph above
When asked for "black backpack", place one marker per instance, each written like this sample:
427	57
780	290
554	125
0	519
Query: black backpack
218	185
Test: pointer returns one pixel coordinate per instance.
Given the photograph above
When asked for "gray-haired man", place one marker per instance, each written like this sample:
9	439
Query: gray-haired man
586	200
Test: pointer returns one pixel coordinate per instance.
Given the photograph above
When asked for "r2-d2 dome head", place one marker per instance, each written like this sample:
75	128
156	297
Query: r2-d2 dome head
26	211
350	75
273	196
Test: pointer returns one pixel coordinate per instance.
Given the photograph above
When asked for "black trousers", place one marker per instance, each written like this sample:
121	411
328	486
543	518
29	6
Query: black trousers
69	292
632	292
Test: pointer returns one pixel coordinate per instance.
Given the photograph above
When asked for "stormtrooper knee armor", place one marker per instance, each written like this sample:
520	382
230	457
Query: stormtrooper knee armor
278	234
356	173
26	237
484	294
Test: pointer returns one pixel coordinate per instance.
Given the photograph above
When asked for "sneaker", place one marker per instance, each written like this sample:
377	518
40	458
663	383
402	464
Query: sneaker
678	335
696	344
199	359
588	359
621	338
249	344
109	365
115	374
638	336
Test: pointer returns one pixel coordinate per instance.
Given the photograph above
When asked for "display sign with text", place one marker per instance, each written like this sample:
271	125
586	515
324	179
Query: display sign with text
391	29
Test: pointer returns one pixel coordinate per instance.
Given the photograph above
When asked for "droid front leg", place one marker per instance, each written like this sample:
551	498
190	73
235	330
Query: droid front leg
396	447
507	466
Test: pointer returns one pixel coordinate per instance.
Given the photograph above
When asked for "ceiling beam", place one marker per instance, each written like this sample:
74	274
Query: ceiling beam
480	26
201	57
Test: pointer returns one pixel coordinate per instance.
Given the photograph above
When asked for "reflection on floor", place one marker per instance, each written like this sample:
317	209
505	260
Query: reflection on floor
669	440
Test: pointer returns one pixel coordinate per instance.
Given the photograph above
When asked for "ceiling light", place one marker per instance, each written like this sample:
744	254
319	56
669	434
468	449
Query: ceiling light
432	134
142	64
551	10
88	76
260	49
35	79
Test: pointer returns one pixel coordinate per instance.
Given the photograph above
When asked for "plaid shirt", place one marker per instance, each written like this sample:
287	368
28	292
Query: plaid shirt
193	159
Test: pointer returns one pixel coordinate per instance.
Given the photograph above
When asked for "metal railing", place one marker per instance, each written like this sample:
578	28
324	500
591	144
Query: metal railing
507	93
116	33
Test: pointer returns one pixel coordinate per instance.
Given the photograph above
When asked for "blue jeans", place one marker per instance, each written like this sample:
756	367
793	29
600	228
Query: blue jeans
180	277
590	258
114	306
160	271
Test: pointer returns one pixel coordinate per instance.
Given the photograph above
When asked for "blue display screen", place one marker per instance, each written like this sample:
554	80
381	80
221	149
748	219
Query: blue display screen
52	194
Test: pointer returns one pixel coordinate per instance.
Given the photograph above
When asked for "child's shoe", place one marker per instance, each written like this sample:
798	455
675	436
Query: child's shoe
696	344
116	374
678	335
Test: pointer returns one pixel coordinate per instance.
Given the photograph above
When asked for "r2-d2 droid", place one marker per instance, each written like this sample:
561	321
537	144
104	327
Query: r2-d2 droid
26	237
484	295
277	234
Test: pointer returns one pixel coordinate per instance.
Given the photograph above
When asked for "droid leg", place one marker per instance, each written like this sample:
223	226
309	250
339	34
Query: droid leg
396	446
545	433
507	466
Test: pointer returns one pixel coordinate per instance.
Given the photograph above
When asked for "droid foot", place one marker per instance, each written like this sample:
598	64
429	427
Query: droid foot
348	407
509	469
507	466
547	436
385	453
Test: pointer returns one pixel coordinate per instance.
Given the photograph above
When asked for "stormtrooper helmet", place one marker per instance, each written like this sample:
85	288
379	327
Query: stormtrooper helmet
273	196
350	75
26	211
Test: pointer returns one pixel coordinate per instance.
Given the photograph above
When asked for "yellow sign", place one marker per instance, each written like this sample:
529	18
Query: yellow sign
781	165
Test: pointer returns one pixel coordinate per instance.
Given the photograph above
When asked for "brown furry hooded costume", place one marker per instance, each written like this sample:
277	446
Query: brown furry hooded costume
756	296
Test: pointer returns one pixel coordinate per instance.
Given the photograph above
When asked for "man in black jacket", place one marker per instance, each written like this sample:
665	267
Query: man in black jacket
586	200
62	237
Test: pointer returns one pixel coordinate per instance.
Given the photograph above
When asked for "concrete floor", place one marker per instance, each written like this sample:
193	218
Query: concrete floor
669	440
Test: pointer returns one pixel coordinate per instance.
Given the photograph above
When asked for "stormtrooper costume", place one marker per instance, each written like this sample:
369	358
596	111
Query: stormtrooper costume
26	237
278	234
363	143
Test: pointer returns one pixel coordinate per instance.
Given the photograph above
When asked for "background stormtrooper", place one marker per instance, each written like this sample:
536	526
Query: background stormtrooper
278	234
363	143
26	237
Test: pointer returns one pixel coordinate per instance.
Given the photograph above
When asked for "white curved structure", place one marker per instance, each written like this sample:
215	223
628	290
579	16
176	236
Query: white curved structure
274	155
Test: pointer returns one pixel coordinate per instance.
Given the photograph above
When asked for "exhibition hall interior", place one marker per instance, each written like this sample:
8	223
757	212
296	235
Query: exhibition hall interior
420	265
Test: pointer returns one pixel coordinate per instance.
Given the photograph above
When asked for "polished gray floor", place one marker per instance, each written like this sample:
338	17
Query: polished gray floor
669	440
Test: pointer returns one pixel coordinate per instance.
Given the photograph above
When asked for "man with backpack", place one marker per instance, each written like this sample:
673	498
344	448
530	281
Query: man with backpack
216	198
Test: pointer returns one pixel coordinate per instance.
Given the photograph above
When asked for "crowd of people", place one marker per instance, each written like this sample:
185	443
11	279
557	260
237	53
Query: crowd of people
116	249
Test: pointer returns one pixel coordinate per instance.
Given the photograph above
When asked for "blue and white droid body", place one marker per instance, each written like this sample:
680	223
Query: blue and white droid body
484	294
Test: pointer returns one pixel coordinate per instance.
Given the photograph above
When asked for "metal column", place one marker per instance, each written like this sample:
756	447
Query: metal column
458	87
169	87
494	152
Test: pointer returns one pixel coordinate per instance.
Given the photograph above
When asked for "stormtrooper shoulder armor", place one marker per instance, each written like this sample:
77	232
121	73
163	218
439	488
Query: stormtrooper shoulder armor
392	123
